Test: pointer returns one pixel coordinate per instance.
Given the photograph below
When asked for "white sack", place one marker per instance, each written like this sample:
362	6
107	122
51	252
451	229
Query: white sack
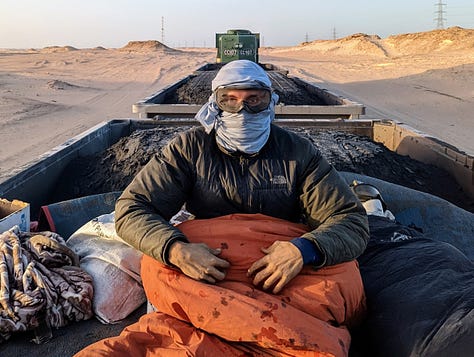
114	266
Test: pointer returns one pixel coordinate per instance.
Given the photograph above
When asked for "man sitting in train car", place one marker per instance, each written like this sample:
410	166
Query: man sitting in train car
239	163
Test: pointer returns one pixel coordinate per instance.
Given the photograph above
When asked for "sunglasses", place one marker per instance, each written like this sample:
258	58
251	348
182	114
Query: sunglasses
256	102
366	191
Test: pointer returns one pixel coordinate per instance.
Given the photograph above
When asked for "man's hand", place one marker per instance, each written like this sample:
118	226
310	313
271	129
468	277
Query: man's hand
282	262
198	261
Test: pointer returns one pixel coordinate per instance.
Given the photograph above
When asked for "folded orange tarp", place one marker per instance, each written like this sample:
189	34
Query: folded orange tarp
310	317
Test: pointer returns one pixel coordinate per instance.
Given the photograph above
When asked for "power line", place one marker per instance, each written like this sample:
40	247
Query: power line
440	20
162	30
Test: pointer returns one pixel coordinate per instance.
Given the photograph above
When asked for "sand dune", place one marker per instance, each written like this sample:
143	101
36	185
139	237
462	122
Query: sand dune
49	95
432	42
54	49
146	46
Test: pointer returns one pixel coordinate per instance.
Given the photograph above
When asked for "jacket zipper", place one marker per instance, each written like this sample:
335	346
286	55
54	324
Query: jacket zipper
244	190
242	162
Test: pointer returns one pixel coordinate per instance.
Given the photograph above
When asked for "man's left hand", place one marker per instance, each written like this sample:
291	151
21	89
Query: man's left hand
282	262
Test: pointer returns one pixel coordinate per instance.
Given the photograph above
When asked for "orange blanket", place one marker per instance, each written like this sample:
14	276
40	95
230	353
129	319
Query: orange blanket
310	317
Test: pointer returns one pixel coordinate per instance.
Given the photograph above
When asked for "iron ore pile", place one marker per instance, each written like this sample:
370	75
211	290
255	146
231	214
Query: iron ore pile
198	88
114	168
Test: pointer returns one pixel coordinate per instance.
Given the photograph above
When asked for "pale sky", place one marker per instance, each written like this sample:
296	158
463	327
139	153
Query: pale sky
178	23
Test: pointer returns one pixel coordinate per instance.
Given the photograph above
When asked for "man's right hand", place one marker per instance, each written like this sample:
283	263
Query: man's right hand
198	261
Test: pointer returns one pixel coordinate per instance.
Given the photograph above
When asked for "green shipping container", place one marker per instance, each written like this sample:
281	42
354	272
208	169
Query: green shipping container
237	44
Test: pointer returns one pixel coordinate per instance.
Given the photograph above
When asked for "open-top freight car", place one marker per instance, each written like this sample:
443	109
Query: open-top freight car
298	98
37	182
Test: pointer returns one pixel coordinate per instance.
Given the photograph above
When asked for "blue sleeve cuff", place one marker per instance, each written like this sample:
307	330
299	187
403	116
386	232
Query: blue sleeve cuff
308	250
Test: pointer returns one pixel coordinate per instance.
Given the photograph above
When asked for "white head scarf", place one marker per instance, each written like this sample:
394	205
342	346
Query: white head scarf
246	132
241	74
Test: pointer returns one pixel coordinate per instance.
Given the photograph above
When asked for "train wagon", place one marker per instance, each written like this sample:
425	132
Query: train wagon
40	180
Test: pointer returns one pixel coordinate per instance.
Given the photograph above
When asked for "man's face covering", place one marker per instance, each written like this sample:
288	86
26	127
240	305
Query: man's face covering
242	117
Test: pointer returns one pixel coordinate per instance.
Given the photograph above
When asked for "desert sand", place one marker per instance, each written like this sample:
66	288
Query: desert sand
51	94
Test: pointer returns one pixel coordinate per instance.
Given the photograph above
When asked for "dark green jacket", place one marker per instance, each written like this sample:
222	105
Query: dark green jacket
288	179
